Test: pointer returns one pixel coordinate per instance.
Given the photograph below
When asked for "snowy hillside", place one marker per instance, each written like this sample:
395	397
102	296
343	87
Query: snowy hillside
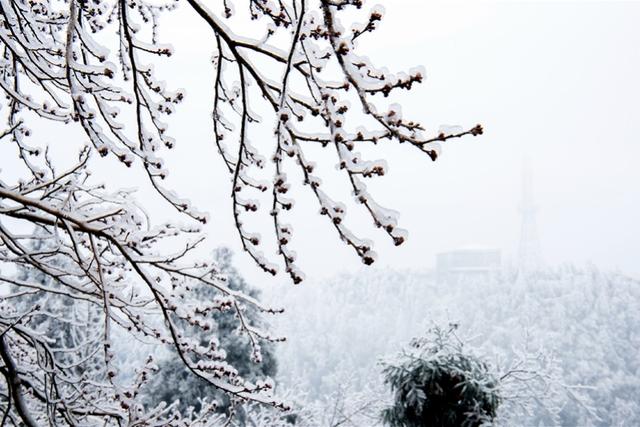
585	322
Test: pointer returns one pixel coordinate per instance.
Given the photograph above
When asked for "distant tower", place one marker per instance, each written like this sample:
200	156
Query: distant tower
529	259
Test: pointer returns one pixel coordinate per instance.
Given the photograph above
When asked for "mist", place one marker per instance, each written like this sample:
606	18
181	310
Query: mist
520	272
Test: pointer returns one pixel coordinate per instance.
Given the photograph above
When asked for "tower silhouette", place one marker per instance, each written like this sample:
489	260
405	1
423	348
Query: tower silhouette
529	258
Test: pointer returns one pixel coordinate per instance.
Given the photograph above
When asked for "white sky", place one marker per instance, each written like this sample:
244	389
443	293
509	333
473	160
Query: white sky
557	81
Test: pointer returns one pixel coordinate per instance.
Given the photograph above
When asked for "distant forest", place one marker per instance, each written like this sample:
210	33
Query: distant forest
577	326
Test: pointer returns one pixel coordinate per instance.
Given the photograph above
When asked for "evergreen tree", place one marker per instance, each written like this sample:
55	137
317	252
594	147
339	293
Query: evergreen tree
176	383
437	384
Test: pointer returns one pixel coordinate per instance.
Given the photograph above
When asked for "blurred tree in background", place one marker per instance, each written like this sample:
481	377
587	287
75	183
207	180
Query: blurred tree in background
175	382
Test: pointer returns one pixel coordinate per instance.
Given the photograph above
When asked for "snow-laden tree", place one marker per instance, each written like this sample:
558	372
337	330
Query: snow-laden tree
437	382
175	382
84	72
564	344
70	328
66	322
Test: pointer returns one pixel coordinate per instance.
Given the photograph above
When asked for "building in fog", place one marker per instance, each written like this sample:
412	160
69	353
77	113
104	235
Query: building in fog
467	264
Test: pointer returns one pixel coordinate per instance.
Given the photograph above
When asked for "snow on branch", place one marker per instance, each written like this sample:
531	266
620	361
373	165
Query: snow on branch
317	110
90	66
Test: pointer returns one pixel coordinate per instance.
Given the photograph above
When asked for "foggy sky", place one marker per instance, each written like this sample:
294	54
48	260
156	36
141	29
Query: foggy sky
554	81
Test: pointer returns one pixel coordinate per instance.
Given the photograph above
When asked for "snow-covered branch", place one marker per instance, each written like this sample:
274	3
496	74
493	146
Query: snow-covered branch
94	261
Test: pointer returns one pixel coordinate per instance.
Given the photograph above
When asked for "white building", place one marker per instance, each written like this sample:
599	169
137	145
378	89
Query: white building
467	264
